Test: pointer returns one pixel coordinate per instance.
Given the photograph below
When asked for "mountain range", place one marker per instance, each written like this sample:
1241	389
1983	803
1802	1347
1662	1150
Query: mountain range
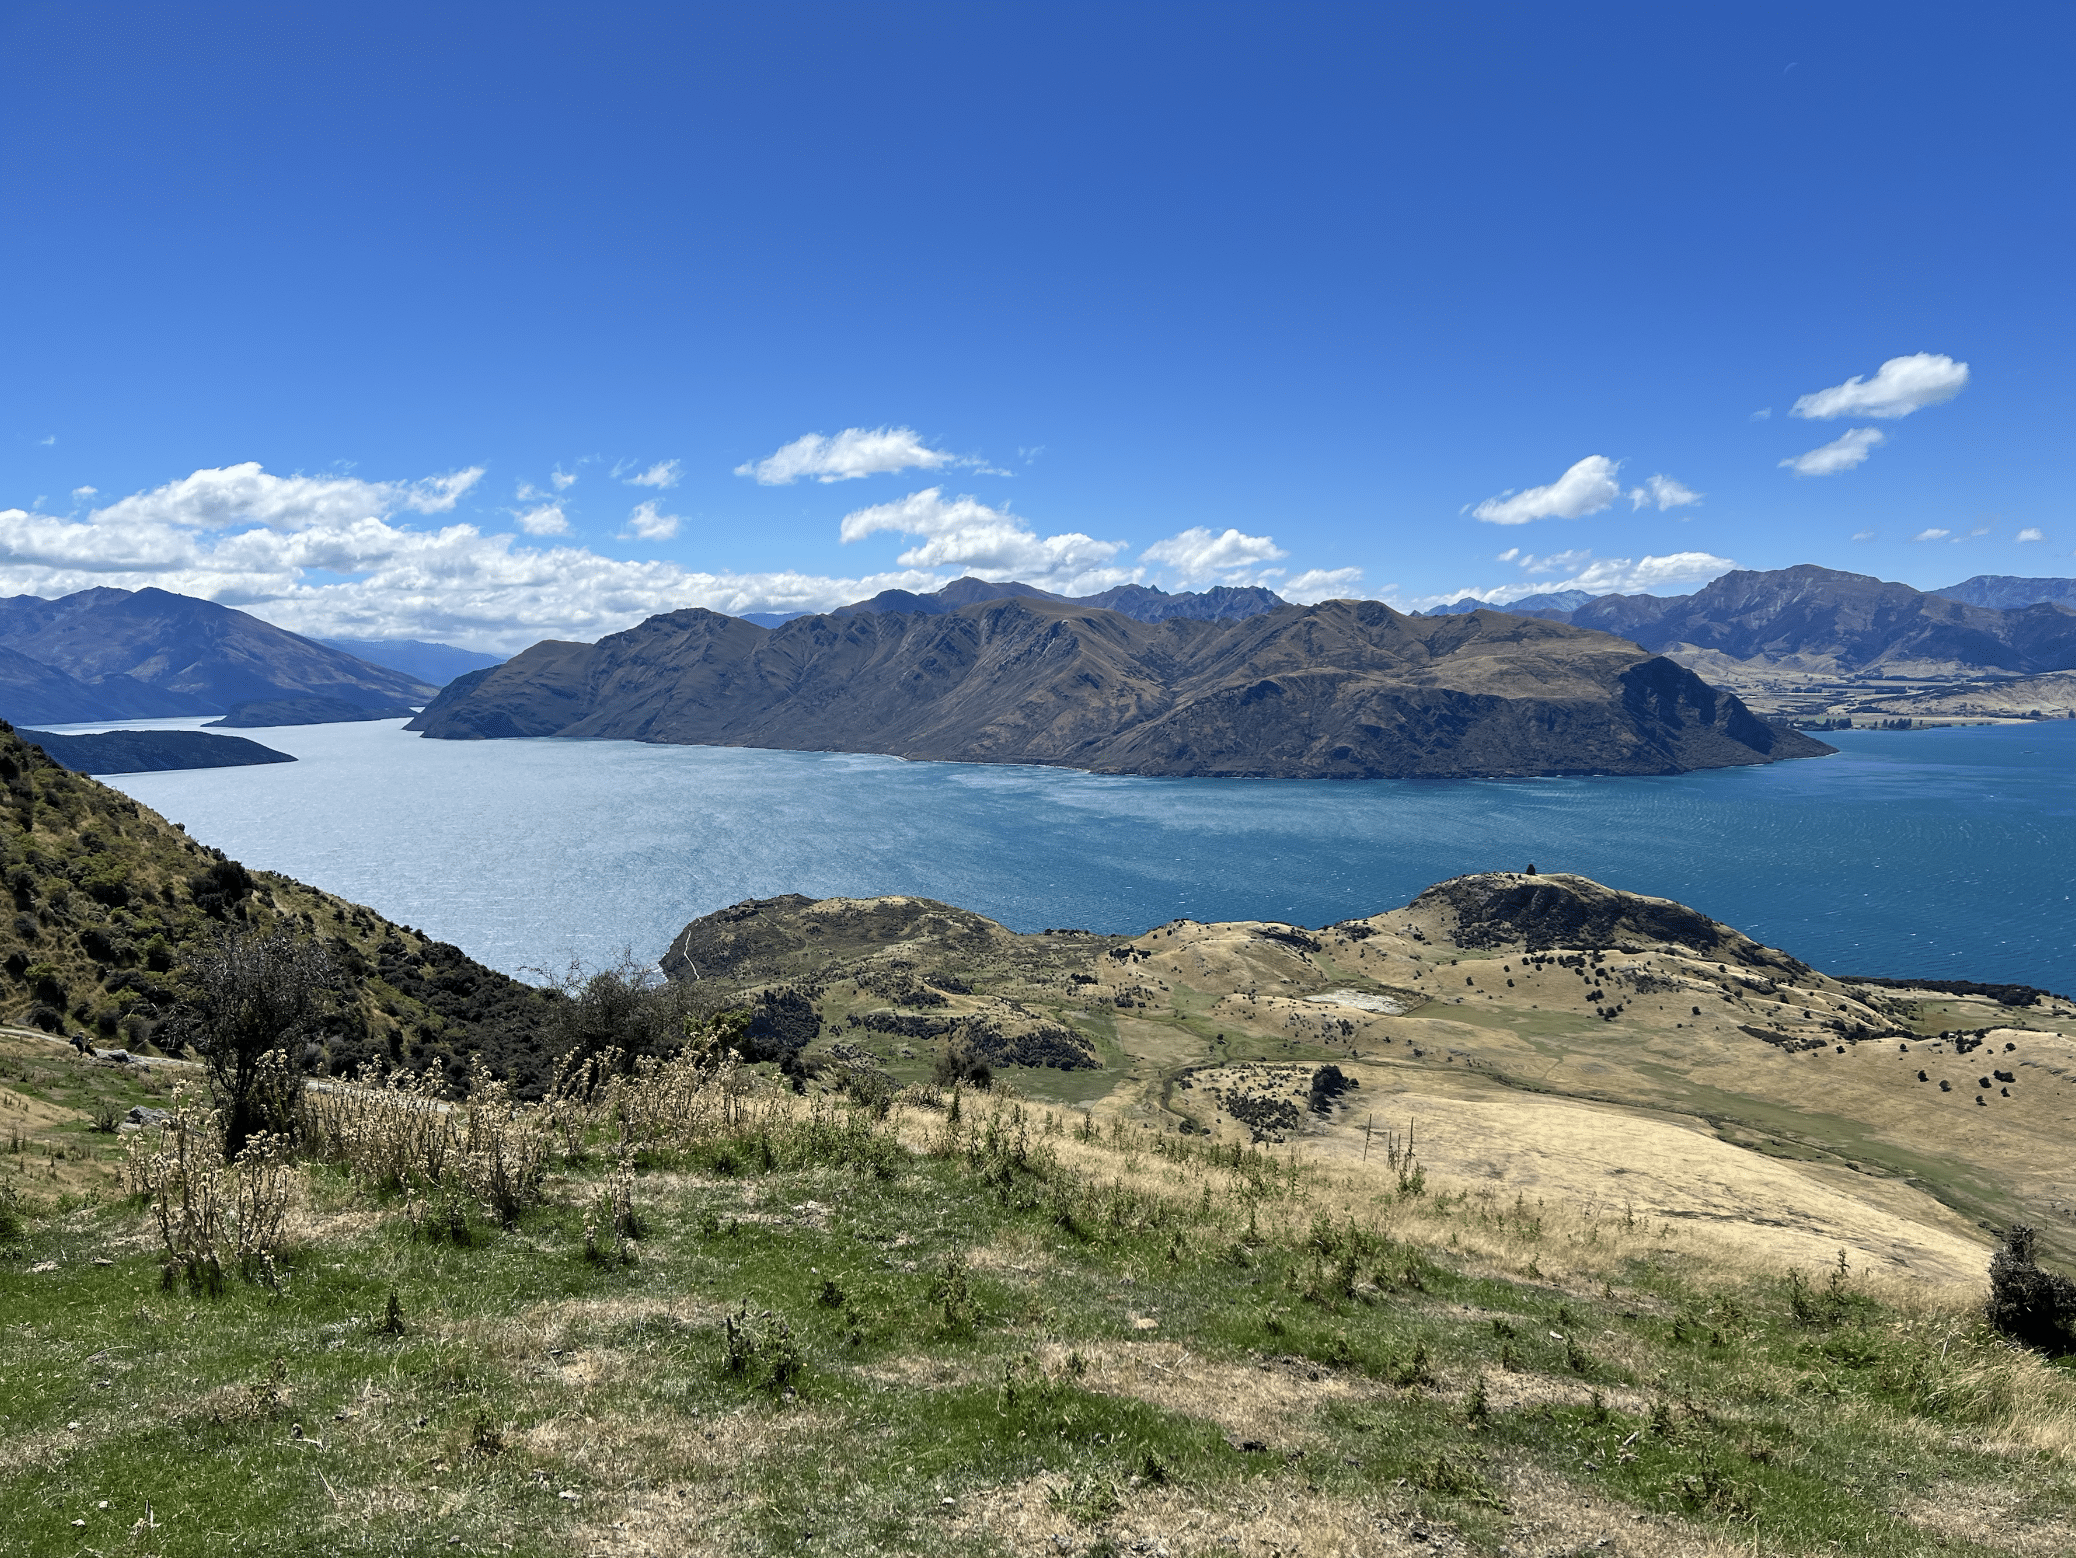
1343	689
147	654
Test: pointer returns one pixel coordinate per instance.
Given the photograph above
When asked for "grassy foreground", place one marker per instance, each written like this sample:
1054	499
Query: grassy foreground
689	1312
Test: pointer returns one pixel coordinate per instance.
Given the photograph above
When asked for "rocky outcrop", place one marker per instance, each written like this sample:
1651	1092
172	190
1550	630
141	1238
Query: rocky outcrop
1515	909
1343	689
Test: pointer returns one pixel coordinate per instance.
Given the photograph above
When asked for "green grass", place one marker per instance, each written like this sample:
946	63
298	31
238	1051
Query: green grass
292	1421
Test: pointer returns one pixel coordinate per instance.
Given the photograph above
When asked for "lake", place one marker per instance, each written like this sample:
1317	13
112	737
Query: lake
1948	853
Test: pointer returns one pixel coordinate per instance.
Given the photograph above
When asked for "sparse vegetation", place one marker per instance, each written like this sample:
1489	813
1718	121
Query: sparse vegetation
841	1319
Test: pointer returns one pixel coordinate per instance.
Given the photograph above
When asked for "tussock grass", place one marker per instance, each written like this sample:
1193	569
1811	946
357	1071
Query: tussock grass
742	1320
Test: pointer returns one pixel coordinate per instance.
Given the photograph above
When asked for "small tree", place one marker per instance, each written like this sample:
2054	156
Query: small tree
252	996
2033	1307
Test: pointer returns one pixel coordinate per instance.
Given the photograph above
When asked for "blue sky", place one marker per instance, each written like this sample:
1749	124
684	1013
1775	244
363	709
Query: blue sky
375	319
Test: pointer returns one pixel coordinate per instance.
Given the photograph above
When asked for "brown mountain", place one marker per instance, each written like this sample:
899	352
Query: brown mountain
1143	603
159	653
1344	689
1846	621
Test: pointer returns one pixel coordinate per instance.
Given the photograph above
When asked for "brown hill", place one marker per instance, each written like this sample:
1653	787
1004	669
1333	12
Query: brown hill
1344	689
157	653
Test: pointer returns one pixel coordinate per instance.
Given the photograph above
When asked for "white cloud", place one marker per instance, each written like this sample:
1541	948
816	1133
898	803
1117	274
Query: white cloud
1763	414
965	533
1900	386
254	541
1665	492
563	480
245	494
1587	488
546	520
648	525
80	494
852	453
1508	555
2031	533
1842	453
1674	571
1646	575
664	473
1196	554
1932	534
1554	562
1863	535
1318	584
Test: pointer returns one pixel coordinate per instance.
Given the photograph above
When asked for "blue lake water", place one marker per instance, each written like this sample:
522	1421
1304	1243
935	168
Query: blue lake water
1942	852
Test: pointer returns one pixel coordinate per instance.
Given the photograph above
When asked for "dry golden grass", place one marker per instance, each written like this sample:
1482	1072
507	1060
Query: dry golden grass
1998	1517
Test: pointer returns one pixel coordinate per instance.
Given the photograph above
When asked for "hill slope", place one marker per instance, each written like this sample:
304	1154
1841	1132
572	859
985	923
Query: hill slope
193	656
1345	689
109	900
1566	1030
151	751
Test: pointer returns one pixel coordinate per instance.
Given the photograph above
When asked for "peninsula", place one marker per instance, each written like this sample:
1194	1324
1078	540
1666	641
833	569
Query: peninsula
1338	690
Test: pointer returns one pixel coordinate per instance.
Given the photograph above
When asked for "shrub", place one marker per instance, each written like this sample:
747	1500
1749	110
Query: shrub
2033	1307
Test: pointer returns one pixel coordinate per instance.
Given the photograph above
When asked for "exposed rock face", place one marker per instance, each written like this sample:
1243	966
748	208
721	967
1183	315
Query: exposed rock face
1506	909
1344	689
1845	621
158	653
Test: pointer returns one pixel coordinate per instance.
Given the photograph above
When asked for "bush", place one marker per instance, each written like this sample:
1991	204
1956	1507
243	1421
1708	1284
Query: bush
2033	1307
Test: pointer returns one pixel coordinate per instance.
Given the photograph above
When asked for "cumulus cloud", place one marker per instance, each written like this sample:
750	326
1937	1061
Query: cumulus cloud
1587	488
2032	533
563	480
245	494
967	534
81	494
1899	386
546	520
1197	554
1931	533
1863	535
648	525
1665	492
1318	584
664	473
334	557
1842	453
852	453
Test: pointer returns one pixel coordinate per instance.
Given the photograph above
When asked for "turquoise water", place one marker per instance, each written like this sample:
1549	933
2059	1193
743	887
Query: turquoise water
1943	852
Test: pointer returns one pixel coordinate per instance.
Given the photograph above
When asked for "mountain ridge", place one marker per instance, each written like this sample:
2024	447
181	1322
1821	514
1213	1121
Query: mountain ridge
1343	689
151	653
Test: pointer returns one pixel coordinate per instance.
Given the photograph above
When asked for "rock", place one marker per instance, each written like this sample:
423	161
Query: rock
144	1114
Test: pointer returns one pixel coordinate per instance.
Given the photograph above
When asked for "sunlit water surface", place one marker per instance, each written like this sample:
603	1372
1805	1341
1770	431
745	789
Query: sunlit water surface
1948	852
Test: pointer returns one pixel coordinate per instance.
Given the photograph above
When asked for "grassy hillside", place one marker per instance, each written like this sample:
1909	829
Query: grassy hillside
722	1318
109	900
